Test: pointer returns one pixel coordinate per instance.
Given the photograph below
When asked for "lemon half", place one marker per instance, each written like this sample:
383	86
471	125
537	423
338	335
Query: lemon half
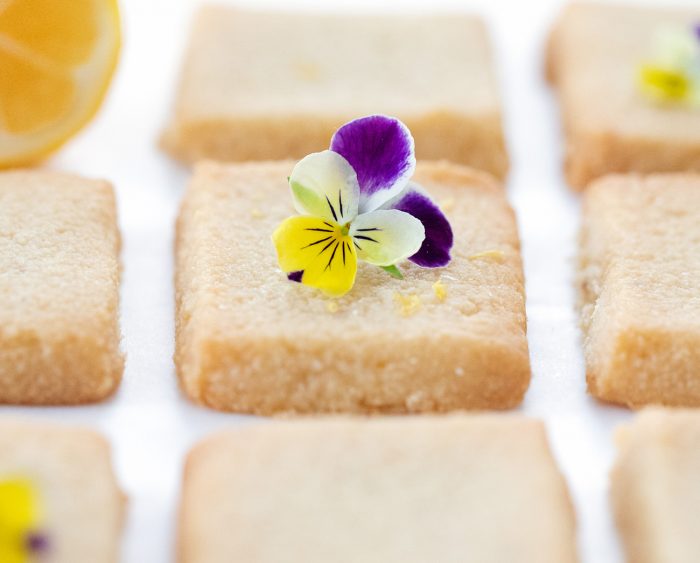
57	58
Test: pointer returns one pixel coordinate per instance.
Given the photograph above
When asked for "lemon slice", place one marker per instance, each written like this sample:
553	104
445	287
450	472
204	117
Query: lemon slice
57	58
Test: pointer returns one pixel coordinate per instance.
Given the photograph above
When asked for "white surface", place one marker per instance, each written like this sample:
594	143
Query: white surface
151	425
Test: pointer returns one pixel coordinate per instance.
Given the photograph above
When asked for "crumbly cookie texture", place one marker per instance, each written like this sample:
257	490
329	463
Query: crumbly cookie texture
59	289
594	54
398	490
655	487
639	283
249	340
260	86
70	468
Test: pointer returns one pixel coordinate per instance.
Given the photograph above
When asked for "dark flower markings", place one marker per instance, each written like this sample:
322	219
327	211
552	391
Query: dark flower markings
340	207
296	276
330	260
326	247
331	239
332	208
315	243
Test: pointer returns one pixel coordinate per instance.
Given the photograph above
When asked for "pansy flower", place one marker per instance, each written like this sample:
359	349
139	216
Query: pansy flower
672	75
20	540
357	202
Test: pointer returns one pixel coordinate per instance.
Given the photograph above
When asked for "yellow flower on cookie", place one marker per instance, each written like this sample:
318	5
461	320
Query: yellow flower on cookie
672	74
321	247
356	202
19	519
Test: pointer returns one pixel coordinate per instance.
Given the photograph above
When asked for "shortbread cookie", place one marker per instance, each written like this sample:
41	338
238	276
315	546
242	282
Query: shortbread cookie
59	499
249	340
594	57
266	86
59	289
656	489
640	282
449	489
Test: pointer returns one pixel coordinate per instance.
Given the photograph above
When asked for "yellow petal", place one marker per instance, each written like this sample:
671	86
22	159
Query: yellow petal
318	251
19	515
665	84
18	506
12	551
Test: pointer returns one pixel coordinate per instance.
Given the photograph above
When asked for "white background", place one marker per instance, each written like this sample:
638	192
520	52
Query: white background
151	425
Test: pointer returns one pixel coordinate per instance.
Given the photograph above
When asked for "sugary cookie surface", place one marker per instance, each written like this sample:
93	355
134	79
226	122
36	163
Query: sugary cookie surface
596	55
398	490
59	282
250	340
267	86
640	278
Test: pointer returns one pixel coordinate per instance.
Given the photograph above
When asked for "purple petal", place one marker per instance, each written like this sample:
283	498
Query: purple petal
295	276
37	542
381	151
435	250
697	31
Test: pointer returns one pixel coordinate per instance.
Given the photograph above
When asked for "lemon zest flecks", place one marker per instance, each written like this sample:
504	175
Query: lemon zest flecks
255	213
408	303
447	204
307	70
332	306
468	308
440	290
493	254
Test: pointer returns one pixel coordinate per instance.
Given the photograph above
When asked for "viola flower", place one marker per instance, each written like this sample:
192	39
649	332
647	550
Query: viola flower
356	201
19	517
673	73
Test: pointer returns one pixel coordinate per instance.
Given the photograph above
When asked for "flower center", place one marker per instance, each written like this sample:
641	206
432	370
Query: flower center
345	229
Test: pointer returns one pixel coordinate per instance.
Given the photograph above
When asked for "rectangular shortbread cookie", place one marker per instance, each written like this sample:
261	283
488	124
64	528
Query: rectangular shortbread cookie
249	340
594	56
271	86
392	490
640	287
80	503
59	289
656	487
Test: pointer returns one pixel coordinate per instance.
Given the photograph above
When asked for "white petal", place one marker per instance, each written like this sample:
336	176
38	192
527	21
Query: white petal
385	237
325	185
